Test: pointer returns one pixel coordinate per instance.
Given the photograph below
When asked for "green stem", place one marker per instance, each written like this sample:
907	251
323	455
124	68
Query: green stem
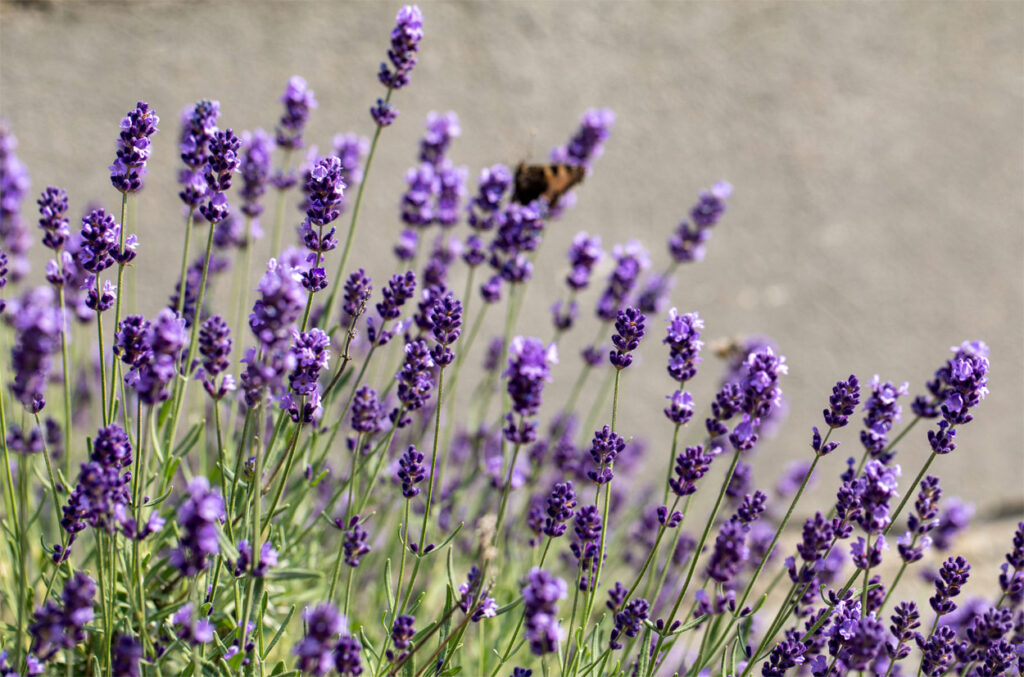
193	345
99	337
66	373
355	212
696	556
279	206
433	459
117	302
184	261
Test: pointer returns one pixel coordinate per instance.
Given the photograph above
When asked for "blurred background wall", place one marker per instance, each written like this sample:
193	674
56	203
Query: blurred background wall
876	149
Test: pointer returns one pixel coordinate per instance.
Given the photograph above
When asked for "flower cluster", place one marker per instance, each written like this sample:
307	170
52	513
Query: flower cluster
689	242
133	148
540	599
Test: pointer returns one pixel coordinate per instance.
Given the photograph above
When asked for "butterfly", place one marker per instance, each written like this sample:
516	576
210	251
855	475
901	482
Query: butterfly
550	182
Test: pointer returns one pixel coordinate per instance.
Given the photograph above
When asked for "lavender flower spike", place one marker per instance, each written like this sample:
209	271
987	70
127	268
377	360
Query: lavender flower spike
540	609
298	101
405	42
133	148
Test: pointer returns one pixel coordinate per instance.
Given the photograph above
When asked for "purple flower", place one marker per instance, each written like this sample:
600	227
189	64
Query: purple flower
99	300
1011	580
881	410
133	148
588	143
384	114
355	542
315	650
126	653
786	655
281	303
405	42
688	242
366	410
351	149
630	260
629	621
198	516
255	166
528	368
298	101
491	187
629	328
198	126
441	130
486	607
584	253
346	657
654	294
952	521
541	594
100	239
560	509
877	487
938	651
691	465
842	403
415	381
417	206
402	632
451	189
37	323
958	386
400	289
3	277
325	190
760	382
14	186
905	620
165	339
563	315
446	326
683	340
53	209
62	626
604	448
752	508
214	347
952	576
268	558
711	205
730	551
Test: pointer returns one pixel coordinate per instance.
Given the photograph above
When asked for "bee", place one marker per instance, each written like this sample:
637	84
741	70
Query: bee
550	182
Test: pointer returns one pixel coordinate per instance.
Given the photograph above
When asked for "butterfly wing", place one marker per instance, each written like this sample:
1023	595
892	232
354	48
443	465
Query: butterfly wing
550	182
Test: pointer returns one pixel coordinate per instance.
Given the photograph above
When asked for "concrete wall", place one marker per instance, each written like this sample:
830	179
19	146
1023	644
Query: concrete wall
876	151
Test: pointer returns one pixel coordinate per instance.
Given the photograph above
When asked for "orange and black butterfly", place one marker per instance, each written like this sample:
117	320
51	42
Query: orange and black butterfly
550	182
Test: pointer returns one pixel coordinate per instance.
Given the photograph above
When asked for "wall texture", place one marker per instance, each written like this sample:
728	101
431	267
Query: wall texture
876	151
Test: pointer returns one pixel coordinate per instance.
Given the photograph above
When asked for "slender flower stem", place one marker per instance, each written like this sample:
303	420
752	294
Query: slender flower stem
764	560
695	557
279	206
908	494
355	212
193	345
99	338
117	302
65	374
433	459
184	260
287	459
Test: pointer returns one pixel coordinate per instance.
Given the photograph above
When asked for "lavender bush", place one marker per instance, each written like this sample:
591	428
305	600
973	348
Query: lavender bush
325	504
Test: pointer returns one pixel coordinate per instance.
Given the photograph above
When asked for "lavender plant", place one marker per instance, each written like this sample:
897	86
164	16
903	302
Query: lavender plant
154	529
